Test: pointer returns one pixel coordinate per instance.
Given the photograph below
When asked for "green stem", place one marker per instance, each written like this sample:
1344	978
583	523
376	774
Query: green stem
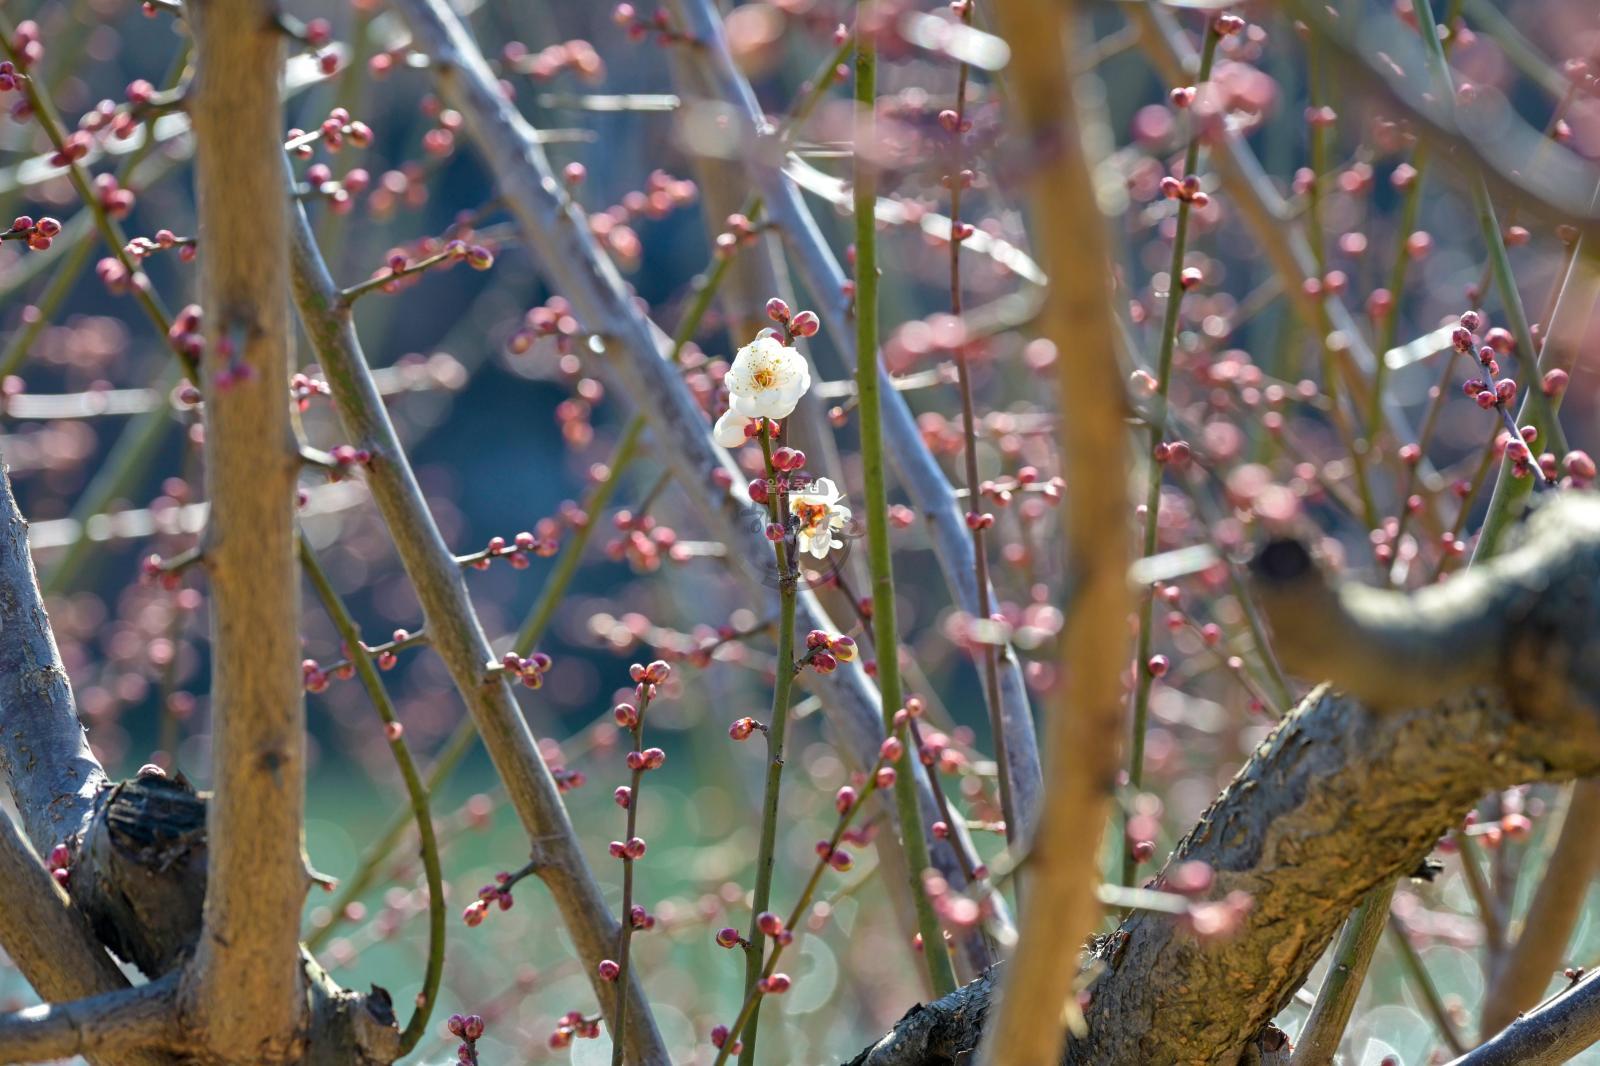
753	996
418	793
777	731
1169	339
1426	989
875	490
1337	998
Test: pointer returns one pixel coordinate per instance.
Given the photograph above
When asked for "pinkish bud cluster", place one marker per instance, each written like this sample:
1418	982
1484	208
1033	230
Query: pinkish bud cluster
553	320
516	551
661	195
574	1024
469	1030
1185	190
825	651
60	864
38	235
530	671
658	27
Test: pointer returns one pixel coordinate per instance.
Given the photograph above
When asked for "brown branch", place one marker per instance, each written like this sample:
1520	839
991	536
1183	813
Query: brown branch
1536	955
48	938
1522	622
634	353
1547	1036
1341	798
110	1026
247	985
1083	734
44	756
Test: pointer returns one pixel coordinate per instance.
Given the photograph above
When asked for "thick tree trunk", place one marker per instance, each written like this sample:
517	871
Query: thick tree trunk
247	986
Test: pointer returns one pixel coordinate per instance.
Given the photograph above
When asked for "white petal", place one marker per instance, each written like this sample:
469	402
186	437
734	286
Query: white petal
729	430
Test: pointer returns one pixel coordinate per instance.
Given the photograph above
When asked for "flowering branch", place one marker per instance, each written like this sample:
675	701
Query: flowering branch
918	471
1186	192
631	847
634	350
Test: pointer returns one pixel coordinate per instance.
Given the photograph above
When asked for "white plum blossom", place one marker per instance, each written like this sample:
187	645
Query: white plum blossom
729	431
767	379
821	513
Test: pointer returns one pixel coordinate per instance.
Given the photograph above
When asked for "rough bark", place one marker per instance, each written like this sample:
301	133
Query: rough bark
49	940
1083	735
1342	796
45	759
247	986
140	871
112	1024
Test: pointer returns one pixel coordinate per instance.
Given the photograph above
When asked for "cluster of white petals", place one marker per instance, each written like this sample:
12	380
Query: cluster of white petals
766	380
821	513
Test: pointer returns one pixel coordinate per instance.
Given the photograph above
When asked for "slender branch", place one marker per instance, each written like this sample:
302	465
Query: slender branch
875	492
416	792
1352	956
120	1022
1062	906
457	635
1157	468
247	976
645	689
1417	971
1535	956
987	651
776	733
1548	1035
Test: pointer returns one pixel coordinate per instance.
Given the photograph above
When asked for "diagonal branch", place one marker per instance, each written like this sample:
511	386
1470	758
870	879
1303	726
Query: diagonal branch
1548	1035
456	634
44	756
247	980
112	1024
916	468
1535	957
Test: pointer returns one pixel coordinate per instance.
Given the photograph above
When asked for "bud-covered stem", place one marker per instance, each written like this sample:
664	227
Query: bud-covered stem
416	792
776	735
875	492
1169	338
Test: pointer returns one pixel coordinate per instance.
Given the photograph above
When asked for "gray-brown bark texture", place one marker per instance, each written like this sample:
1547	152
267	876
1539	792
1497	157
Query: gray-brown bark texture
1342	795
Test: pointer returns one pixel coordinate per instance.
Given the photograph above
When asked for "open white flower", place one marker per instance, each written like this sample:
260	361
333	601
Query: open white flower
766	380
820	512
729	432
